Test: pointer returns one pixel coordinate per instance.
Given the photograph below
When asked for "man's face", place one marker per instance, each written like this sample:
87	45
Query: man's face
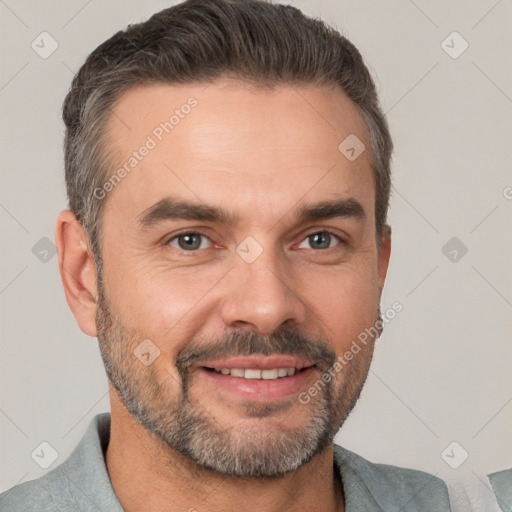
262	292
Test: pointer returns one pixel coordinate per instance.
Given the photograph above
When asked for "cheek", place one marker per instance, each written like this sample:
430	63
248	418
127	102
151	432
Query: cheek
166	304
347	302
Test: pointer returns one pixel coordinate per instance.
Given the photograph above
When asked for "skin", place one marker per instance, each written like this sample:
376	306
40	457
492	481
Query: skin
258	154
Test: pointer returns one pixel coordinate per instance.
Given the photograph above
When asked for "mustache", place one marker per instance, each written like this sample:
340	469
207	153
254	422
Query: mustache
240	343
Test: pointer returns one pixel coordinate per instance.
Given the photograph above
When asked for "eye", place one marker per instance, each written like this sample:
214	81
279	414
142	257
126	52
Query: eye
195	240
322	240
188	241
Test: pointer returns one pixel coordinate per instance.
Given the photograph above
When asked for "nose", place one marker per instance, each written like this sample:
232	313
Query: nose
261	296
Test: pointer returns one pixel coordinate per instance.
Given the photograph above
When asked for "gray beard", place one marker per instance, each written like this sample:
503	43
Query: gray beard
248	450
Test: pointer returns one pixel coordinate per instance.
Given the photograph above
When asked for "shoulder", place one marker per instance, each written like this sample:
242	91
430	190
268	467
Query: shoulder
35	495
474	492
77	482
390	487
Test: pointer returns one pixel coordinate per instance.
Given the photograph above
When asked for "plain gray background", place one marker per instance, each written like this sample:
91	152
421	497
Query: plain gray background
441	372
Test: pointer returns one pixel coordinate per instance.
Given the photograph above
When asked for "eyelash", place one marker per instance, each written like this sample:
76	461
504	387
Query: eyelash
175	237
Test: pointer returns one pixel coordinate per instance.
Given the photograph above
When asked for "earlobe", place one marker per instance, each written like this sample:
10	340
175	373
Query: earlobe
77	270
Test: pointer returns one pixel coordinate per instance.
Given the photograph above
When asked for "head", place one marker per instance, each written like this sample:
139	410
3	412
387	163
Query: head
224	123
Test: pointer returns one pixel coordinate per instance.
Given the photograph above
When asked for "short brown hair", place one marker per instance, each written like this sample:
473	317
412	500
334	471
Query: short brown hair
197	41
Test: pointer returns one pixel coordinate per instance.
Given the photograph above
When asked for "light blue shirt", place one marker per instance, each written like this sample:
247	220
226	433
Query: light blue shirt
501	482
81	483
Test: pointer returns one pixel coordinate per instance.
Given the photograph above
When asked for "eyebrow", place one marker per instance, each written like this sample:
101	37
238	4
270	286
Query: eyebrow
170	208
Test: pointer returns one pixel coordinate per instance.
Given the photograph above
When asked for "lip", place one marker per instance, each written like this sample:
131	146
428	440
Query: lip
258	363
258	390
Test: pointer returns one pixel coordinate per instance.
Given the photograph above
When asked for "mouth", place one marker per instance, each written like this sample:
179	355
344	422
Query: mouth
259	378
254	373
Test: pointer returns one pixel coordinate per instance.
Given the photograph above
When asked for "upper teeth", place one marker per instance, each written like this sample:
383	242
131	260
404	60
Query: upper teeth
257	374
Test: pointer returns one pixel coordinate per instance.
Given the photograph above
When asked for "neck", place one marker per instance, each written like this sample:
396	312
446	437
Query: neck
147	475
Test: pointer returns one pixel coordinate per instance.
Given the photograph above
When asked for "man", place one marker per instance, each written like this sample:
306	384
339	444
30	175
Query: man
228	175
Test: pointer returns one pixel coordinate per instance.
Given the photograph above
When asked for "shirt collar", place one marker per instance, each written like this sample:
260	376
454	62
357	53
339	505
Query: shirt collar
89	483
85	470
501	482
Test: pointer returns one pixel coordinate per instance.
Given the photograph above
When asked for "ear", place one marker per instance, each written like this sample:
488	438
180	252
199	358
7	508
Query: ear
384	255
77	271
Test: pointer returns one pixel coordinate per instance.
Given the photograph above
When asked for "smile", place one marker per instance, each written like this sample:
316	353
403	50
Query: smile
250	373
257	377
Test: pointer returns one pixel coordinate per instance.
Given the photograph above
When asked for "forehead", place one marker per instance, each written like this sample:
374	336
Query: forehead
228	141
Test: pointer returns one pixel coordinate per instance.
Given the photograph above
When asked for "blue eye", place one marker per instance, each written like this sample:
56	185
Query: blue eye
188	241
322	240
193	241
